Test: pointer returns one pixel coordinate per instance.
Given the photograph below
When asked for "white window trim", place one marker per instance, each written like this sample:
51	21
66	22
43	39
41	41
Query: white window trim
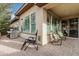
30	22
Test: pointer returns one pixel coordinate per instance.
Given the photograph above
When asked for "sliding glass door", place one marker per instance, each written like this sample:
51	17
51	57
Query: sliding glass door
71	27
65	27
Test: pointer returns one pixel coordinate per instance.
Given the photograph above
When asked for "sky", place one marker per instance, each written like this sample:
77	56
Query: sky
15	7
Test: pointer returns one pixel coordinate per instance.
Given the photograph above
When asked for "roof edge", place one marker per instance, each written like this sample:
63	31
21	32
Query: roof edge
27	6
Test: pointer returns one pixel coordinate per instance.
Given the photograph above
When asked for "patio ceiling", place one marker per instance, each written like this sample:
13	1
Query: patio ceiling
64	10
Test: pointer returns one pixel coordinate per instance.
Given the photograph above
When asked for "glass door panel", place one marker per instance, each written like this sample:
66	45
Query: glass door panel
70	27
73	27
64	27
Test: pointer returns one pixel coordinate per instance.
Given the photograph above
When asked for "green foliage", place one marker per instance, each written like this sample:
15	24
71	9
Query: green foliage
4	17
4	26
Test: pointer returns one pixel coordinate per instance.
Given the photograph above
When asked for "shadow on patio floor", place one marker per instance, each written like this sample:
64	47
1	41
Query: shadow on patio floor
11	47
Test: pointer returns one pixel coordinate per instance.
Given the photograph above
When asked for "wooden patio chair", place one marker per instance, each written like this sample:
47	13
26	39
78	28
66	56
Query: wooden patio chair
57	39
61	35
31	40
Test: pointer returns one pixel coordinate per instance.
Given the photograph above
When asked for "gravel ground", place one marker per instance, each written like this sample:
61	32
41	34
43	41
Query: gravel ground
11	47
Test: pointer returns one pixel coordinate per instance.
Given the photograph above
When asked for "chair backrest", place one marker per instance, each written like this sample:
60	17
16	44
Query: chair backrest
33	36
56	36
60	34
36	34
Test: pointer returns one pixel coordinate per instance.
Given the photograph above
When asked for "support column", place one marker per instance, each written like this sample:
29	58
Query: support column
44	28
78	27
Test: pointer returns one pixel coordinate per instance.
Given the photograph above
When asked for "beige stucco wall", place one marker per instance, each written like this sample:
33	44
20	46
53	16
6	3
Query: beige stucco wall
38	20
41	25
15	24
29	12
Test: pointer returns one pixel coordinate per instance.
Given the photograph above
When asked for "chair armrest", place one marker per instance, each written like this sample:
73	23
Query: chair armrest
31	37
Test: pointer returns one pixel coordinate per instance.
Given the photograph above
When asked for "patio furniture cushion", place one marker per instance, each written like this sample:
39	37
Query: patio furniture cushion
57	40
56	37
60	34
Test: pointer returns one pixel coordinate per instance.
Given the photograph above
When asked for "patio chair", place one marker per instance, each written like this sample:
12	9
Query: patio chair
61	35
31	40
57	39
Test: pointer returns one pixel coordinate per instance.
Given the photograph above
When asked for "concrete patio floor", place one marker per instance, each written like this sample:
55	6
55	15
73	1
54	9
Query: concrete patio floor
11	47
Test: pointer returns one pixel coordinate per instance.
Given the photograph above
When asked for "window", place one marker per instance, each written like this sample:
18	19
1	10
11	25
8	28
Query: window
33	23
53	24
29	25
49	23
26	24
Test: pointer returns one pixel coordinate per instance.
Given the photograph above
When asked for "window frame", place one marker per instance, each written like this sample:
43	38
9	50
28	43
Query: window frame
23	24
34	22
30	23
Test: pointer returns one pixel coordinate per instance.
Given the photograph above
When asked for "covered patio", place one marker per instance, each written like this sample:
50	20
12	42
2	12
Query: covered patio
67	19
69	47
11	47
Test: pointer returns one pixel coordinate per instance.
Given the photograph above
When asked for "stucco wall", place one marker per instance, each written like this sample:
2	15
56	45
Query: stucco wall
39	18
41	23
15	24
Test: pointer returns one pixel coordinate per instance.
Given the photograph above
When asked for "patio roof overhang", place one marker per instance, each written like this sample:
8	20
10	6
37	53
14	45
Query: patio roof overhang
27	6
24	8
64	10
14	19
